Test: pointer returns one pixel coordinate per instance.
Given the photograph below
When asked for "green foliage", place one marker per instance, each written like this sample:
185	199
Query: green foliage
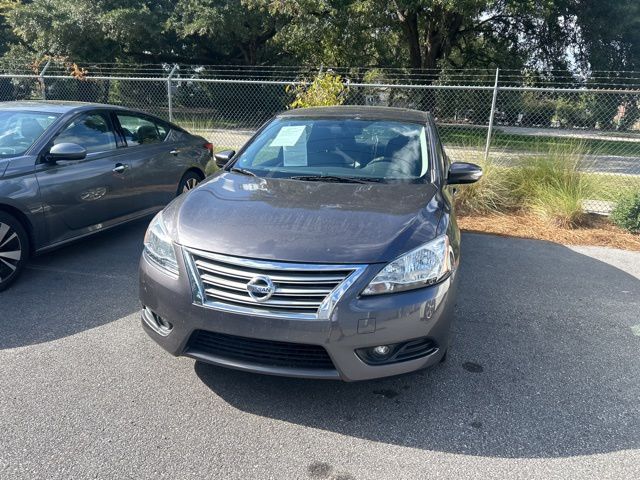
552	186
236	30
421	34
325	90
549	185
491	194
86	30
560	201
626	213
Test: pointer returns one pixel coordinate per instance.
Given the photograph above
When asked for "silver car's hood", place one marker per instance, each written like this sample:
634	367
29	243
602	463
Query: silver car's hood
300	221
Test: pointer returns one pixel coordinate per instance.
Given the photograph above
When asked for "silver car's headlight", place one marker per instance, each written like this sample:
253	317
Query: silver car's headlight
158	246
421	267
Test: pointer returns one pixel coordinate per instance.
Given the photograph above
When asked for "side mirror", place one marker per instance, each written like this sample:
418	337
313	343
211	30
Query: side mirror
222	158
66	151
463	172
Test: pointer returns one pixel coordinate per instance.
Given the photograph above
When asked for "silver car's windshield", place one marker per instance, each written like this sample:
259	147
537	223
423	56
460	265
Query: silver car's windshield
19	130
339	149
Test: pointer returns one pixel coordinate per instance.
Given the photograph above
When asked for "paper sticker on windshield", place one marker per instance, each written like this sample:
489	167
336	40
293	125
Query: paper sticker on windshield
295	155
288	136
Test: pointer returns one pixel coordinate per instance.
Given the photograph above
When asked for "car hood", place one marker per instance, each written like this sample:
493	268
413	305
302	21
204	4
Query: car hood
301	221
4	162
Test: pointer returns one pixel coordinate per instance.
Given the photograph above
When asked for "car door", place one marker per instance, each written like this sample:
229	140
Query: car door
154	157
80	196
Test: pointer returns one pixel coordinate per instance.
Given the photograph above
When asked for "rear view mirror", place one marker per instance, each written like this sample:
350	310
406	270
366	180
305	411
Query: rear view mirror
66	151
463	172
222	158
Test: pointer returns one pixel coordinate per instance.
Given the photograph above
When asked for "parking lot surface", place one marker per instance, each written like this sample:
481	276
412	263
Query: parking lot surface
542	381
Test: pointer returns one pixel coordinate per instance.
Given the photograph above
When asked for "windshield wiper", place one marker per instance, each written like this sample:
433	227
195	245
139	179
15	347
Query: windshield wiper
332	178
243	171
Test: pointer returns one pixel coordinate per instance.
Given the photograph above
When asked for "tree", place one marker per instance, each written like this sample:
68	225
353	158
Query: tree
234	30
94	30
429	34
609	33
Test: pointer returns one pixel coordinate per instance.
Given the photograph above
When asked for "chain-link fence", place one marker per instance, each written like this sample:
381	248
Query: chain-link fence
501	117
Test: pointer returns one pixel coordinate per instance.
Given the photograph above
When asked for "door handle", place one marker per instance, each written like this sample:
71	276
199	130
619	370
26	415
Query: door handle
120	168
174	152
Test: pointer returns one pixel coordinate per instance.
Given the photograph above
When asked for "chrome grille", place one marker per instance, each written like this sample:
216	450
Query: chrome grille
306	291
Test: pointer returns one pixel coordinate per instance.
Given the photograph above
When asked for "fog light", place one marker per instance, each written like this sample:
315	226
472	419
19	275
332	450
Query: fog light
156	322
381	350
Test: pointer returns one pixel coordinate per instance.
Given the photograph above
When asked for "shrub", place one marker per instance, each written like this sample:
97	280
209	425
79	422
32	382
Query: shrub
491	194
325	90
626	213
551	185
561	201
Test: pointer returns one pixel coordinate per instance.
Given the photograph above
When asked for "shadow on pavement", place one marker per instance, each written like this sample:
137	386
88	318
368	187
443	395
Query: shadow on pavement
544	364
81	286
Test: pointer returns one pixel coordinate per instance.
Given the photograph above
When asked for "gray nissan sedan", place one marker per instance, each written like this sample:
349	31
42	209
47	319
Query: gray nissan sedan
69	169
327	247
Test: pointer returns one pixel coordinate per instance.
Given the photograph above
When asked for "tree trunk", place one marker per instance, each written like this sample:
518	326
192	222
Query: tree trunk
409	24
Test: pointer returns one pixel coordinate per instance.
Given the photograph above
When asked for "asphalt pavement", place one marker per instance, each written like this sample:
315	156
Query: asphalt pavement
542	381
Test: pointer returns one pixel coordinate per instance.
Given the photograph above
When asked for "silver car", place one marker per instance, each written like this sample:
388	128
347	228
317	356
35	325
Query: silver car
68	170
327	247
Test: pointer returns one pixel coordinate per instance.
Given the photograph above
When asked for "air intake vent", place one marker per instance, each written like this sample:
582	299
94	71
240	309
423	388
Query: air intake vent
261	352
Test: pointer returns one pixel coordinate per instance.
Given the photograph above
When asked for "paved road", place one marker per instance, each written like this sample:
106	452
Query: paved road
542	382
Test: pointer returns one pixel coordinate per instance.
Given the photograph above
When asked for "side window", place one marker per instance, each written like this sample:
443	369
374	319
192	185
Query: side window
91	130
140	130
176	135
163	130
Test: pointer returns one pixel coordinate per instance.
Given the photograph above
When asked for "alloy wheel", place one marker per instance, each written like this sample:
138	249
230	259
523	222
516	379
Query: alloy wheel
189	184
10	251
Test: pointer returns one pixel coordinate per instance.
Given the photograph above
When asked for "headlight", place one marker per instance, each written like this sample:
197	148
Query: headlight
421	267
158	246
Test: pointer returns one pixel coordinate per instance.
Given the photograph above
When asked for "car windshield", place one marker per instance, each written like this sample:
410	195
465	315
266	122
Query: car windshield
338	150
19	130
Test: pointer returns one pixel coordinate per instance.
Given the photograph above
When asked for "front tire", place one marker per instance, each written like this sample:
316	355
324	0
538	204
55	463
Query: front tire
14	249
188	182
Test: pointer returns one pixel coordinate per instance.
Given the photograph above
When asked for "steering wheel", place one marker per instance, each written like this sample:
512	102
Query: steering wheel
394	164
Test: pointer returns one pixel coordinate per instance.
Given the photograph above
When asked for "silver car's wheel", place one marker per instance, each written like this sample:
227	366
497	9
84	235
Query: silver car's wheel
13	249
189	181
189	184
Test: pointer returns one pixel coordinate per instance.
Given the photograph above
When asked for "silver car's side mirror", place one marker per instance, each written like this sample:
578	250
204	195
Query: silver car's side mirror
463	172
66	151
222	158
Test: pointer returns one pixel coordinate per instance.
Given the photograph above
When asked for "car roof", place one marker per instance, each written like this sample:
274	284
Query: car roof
54	106
359	112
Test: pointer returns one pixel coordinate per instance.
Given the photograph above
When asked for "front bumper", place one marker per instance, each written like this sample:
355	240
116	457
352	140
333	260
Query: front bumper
357	322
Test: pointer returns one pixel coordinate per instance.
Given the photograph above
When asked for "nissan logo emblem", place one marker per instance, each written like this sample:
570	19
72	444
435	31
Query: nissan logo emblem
261	288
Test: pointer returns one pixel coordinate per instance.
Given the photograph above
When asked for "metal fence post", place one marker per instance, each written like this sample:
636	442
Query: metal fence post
169	94
491	116
41	79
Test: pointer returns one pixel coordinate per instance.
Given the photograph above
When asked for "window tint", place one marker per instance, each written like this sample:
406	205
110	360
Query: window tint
140	130
91	131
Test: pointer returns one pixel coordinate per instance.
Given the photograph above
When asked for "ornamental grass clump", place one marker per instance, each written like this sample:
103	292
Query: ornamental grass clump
491	194
552	186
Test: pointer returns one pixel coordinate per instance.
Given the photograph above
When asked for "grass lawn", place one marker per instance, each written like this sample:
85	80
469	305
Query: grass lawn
469	136
611	187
